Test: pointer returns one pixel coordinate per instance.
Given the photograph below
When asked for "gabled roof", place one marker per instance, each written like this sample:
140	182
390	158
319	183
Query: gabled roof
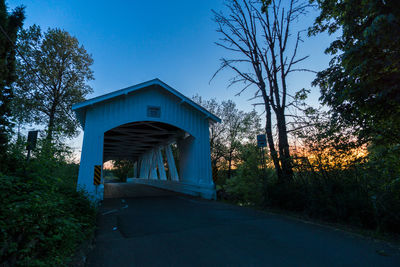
80	108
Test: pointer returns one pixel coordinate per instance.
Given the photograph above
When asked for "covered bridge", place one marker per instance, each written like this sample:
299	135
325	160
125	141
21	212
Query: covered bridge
140	123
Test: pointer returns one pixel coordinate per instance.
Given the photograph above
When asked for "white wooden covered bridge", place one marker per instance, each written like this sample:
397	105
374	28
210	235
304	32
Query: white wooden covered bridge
140	123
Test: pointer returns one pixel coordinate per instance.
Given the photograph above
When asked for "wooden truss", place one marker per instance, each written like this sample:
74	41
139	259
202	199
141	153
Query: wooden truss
142	143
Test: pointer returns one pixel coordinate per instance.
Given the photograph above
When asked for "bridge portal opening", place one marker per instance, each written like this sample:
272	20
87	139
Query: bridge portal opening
151	147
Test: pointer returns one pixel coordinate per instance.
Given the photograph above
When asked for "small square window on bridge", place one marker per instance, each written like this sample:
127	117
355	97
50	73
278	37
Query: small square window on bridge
153	111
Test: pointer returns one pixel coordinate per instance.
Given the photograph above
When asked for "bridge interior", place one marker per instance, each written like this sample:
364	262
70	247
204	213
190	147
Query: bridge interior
147	144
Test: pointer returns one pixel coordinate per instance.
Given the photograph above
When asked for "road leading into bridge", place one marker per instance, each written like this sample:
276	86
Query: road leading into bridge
153	227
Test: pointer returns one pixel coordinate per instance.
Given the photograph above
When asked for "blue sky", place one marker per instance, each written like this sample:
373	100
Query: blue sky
135	41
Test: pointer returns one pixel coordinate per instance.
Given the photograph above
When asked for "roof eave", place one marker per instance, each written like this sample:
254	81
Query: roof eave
82	105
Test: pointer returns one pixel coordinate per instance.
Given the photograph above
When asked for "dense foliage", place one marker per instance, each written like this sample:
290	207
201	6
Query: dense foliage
42	222
9	26
248	185
42	217
362	83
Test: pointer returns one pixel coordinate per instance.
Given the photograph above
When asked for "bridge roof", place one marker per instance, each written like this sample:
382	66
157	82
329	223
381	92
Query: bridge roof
80	108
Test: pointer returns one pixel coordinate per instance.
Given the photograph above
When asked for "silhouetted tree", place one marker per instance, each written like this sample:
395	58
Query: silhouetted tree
258	33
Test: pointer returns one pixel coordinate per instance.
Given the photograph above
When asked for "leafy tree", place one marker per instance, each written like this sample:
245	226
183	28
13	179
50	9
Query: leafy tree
248	185
10	24
239	126
362	83
324	145
226	137
122	169
52	79
259	33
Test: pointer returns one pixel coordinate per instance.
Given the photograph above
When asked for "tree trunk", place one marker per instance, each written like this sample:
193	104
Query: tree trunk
214	172
270	140
50	125
284	151
230	165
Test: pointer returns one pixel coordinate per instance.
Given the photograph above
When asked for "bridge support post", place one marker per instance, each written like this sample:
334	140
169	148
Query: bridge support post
160	164
171	164
144	166
92	154
135	169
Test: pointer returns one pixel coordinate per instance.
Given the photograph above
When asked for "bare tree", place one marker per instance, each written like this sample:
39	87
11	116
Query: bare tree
259	35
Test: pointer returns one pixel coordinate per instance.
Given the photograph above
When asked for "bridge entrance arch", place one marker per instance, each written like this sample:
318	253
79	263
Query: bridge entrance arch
139	123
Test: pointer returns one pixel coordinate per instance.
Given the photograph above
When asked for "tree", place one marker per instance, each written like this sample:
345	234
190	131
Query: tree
239	126
226	137
362	83
259	33
122	168
324	145
248	185
10	24
52	78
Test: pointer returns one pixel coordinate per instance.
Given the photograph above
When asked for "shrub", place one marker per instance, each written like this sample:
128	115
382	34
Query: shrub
387	205
290	195
352	196
42	217
247	186
41	221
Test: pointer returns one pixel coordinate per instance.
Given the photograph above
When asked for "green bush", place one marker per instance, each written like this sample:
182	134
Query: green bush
387	205
42	217
247	186
41	221
290	196
338	196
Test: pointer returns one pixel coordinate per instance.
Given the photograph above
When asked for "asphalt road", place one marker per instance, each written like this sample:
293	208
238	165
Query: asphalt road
153	227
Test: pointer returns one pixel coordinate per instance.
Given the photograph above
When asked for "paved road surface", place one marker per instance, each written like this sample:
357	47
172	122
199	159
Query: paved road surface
154	227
